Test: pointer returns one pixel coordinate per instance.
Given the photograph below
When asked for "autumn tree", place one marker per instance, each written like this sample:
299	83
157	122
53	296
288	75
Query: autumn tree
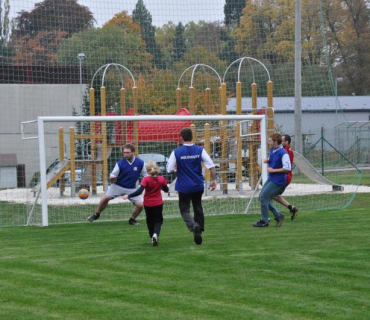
49	15
348	24
266	31
142	16
124	21
39	50
233	11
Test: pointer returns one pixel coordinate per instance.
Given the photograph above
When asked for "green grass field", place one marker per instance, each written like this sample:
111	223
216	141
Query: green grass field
316	267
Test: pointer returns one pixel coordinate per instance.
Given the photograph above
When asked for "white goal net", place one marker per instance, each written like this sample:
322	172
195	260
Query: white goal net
79	153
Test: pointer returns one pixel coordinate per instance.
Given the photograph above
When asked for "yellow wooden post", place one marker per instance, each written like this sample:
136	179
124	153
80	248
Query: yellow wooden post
192	100
62	185
208	107
136	123
123	112
224	157
72	160
178	98
192	127
239	160
238	97
93	142
270	109
104	138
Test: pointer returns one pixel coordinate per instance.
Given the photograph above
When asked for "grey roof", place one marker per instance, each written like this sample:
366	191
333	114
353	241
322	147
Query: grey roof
8	160
314	104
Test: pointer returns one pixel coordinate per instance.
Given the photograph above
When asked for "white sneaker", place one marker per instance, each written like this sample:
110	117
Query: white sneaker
155	240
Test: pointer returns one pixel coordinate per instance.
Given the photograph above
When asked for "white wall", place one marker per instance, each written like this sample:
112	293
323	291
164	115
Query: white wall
8	177
26	102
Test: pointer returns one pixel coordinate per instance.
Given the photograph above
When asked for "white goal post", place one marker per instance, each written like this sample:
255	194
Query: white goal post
75	119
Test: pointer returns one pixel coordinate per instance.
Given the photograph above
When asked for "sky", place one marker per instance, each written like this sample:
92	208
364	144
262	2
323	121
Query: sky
162	11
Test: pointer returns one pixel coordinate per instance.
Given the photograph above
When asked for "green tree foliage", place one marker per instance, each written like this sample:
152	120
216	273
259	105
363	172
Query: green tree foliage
228	41
164	37
49	15
144	18
6	50
233	11
106	45
4	21
205	34
179	43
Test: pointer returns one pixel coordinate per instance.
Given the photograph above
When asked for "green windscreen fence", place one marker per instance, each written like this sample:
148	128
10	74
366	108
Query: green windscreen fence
156	57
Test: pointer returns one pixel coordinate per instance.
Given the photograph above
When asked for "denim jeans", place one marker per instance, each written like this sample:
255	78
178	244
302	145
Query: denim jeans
269	190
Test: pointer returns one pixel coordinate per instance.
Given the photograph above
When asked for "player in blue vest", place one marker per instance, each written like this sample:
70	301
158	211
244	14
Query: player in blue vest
278	165
123	180
187	162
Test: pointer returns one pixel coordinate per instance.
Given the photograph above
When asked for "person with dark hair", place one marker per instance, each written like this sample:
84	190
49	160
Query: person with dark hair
278	166
187	160
286	140
153	201
123	180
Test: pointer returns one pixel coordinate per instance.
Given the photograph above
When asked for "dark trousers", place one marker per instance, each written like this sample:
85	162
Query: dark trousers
154	219
184	205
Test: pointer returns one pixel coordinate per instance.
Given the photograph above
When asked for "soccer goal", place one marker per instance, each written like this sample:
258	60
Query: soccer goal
79	153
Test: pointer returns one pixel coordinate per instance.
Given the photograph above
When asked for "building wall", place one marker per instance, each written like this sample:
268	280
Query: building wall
26	102
8	177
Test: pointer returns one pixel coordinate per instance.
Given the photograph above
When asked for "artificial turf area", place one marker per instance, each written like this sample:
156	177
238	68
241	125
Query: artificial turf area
316	267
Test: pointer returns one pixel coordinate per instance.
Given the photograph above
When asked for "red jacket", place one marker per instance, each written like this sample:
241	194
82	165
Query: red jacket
289	150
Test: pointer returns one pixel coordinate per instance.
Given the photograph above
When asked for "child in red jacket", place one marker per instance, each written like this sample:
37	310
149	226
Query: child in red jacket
153	202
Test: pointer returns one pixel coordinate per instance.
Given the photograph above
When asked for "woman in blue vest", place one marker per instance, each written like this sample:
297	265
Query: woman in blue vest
187	162
278	165
123	180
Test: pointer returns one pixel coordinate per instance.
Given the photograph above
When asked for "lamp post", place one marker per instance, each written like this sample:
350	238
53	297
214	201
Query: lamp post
80	57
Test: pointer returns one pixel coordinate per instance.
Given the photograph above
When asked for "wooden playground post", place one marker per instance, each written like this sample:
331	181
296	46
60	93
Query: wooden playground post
93	143
136	123
72	161
239	160
270	109
207	98
104	138
192	100
223	165
123	112
62	186
192	127
253	155
178	98
238	97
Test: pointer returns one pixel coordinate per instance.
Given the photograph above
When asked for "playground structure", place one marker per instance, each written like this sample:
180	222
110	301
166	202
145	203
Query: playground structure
212	136
224	142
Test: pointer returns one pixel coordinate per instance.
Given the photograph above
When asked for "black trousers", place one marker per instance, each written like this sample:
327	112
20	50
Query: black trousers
154	219
184	204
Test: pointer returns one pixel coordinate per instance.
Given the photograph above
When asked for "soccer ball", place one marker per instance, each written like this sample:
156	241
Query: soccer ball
83	194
